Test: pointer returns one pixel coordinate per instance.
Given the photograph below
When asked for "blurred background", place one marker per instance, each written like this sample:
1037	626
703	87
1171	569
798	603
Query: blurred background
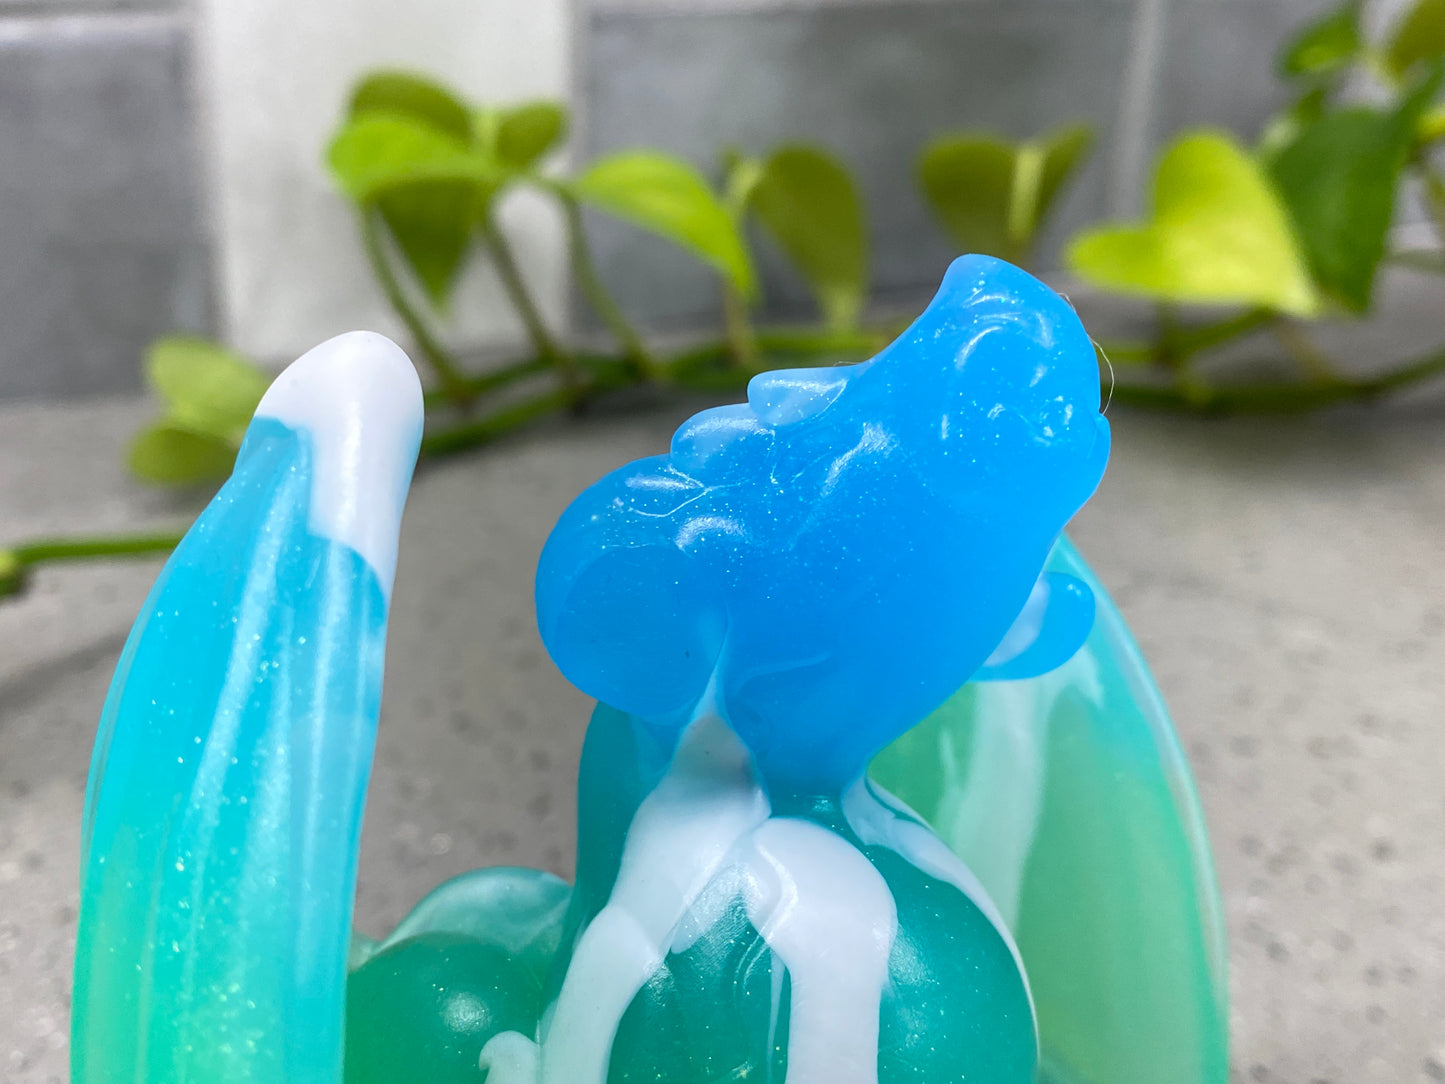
163	168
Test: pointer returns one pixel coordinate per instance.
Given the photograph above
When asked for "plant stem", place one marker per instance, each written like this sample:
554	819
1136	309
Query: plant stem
18	560
471	434
454	382
600	298
1434	196
521	299
482	383
607	375
740	337
1190	341
1305	354
825	341
704	368
1286	397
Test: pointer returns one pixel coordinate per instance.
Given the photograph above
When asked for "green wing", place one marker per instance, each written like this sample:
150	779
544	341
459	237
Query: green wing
1069	796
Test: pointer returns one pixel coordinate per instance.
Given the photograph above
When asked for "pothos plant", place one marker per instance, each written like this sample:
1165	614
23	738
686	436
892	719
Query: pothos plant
1241	240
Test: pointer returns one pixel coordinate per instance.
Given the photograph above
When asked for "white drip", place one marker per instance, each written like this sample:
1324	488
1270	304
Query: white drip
881	820
359	398
830	917
992	815
701	840
680	839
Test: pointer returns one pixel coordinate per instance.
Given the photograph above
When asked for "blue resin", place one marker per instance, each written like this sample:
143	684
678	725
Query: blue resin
843	551
224	809
800	581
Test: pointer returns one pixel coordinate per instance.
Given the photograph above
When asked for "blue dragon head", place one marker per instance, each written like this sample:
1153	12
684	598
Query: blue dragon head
829	561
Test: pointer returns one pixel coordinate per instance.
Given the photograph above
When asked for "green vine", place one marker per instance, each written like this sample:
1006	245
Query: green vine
1291	229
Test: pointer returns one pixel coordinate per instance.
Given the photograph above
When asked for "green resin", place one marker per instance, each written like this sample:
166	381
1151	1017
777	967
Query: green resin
423	1008
1069	797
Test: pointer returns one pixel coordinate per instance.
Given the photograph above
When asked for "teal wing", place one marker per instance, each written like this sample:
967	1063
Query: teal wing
1070	798
223	812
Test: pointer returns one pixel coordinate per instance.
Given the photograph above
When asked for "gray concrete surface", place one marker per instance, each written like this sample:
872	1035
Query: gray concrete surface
1285	578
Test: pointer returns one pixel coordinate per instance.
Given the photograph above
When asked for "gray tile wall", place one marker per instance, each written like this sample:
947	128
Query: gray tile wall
101	244
873	82
1218	62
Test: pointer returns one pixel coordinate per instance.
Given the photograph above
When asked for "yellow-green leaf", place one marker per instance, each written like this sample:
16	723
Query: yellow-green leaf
406	94
807	201
379	152
968	180
1064	151
1339	178
206	388
173	456
526	132
1219	235
667	196
432	223
991	195
1418	37
1325	45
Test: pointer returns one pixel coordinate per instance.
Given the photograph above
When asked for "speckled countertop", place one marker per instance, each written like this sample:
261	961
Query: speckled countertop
1286	579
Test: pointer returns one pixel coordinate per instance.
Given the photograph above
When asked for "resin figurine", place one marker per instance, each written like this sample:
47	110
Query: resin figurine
860	565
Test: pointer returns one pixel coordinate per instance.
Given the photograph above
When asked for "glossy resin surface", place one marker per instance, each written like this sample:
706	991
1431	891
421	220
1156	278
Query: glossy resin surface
799	583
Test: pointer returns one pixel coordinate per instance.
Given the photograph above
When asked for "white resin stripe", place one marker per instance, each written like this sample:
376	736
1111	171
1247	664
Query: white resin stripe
359	398
701	840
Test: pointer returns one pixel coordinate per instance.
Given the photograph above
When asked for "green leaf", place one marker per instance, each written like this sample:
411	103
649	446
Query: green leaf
526	132
806	200
173	456
968	180
1326	45
432	223
12	574
380	152
429	186
1418	37
993	196
1284	127
412	96
206	388
667	196
1432	125
1338	178
741	174
1061	152
1219	235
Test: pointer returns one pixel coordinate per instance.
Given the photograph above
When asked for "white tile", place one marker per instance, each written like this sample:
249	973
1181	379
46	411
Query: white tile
275	75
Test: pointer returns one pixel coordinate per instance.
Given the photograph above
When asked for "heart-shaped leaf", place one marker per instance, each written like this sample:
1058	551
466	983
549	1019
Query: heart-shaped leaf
380	152
992	196
1419	37
526	132
968	180
206	388
1219	235
1432	125
806	200
413	96
429	185
170	455
1338	178
1326	45
1061	153
433	223
667	196
1285	126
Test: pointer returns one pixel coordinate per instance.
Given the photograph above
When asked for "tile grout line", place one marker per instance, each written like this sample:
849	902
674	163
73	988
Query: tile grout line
1138	93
